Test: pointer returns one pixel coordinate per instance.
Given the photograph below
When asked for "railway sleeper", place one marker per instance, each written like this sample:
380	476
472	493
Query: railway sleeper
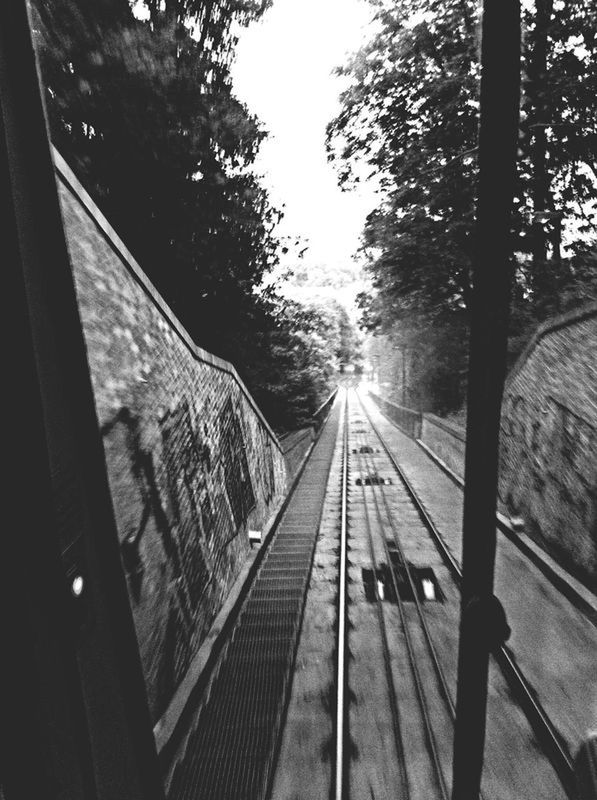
379	583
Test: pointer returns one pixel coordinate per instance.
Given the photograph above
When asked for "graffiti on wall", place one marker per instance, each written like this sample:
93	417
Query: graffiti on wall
187	464
236	469
142	515
266	466
179	506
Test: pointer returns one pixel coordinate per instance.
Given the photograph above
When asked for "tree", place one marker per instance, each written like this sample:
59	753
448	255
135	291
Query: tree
411	111
558	151
144	110
142	107
297	364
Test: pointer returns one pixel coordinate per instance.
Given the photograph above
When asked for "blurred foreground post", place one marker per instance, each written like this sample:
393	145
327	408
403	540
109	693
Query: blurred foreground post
75	721
498	134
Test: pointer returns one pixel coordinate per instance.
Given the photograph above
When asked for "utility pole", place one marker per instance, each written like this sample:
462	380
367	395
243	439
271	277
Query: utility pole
480	631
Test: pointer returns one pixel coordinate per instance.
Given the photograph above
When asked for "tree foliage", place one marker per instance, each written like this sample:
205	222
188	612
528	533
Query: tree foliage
145	110
411	111
141	104
558	152
309	342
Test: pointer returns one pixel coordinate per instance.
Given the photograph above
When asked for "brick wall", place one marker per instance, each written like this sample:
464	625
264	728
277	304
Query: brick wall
191	462
548	464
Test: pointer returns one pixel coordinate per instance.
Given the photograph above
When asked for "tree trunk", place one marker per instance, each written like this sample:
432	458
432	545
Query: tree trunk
540	183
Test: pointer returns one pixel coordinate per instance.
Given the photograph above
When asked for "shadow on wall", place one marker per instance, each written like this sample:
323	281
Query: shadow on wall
178	517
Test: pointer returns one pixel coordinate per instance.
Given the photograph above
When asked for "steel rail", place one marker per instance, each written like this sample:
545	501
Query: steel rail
536	715
440	674
429	733
406	567
567	589
394	707
340	771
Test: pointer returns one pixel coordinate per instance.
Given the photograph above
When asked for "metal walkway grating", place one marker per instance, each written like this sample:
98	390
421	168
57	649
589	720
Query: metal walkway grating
229	755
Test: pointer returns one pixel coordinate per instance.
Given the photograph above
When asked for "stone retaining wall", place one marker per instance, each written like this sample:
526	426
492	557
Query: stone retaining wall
192	463
548	463
548	441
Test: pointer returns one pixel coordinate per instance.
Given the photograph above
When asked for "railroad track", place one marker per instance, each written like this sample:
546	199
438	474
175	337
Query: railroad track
573	591
415	685
379	517
394	710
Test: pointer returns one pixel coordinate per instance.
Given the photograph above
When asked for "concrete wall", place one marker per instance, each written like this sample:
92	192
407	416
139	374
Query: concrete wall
191	462
447	441
296	444
406	419
548	464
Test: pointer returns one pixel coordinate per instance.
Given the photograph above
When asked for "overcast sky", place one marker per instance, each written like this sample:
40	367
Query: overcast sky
283	73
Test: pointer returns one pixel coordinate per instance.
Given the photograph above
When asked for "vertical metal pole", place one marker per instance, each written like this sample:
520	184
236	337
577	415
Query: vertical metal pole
66	619
44	745
500	81
403	354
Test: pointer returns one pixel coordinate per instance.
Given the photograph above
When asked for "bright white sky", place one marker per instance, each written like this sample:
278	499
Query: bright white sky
283	73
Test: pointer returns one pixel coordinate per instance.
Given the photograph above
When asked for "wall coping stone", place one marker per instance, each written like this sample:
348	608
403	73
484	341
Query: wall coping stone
72	183
550	326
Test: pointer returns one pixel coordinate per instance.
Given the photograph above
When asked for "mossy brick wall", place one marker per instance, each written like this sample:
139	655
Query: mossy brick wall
548	464
191	463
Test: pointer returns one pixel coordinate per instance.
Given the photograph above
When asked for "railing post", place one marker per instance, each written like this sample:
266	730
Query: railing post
500	82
